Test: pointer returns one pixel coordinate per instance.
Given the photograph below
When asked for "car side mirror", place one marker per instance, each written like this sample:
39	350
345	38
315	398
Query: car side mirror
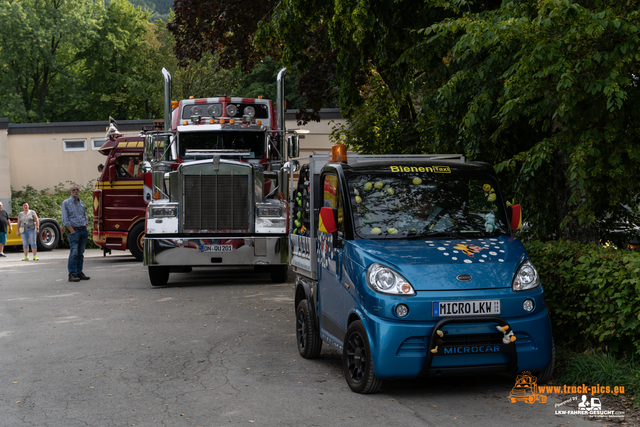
515	217
112	172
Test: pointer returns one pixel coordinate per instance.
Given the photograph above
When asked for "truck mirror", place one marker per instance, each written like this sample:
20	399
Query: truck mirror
112	172
100	167
515	217
294	146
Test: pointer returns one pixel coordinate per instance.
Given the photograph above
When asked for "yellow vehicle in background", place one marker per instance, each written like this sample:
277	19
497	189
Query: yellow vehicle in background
47	238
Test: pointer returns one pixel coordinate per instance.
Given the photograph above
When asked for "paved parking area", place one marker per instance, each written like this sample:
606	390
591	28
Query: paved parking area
216	348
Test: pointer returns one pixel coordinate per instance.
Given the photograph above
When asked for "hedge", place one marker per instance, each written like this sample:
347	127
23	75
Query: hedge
592	293
48	204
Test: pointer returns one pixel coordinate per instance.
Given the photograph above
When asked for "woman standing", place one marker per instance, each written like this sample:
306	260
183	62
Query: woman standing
28	227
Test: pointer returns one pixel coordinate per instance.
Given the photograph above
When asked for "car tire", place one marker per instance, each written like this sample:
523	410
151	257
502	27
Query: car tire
48	236
357	363
307	333
135	242
544	376
279	273
159	276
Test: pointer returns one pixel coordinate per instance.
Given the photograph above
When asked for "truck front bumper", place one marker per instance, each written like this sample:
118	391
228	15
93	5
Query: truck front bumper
399	349
205	251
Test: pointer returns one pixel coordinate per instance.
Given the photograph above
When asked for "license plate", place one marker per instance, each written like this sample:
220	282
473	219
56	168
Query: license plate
216	248
466	308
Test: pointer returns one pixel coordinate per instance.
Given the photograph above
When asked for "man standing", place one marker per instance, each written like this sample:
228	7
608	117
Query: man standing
5	224
74	219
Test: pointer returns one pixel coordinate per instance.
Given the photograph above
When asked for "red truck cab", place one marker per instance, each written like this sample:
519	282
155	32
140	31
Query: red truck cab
118	204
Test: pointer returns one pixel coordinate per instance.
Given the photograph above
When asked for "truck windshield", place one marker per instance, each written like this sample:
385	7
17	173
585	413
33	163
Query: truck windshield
200	145
400	206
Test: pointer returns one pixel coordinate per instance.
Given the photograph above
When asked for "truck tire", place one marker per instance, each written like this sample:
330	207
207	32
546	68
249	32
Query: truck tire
159	276
48	236
545	375
357	363
279	273
307	334
135	242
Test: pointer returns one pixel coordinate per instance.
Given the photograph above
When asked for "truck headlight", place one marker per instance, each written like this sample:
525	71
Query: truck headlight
163	211
387	281
526	278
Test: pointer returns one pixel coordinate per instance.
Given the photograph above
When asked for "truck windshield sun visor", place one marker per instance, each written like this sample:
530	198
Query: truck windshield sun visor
404	205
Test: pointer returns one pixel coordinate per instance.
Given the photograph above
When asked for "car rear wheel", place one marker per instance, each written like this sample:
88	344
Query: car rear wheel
307	334
48	237
357	363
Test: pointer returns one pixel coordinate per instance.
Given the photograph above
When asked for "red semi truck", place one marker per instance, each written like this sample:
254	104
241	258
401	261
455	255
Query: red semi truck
119	207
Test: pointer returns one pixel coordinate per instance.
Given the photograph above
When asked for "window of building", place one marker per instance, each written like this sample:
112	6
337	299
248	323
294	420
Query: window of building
75	144
96	143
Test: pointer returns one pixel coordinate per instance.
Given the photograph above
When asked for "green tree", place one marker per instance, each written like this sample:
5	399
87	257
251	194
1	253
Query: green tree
39	40
549	92
116	63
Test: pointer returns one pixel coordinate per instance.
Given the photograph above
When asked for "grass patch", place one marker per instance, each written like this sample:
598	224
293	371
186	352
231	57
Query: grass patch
598	367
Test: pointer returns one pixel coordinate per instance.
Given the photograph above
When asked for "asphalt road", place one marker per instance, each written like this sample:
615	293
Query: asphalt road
216	348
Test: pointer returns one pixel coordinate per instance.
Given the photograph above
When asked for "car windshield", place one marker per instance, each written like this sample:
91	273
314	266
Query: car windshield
405	205
199	145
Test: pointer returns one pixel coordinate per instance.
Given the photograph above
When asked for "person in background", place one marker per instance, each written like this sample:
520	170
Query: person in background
28	227
5	227
74	219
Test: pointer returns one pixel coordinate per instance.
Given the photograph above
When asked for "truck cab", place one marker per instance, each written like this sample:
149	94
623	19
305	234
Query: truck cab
119	207
408	266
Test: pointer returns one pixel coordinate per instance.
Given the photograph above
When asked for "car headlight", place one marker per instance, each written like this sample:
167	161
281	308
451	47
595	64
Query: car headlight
526	278
163	211
386	281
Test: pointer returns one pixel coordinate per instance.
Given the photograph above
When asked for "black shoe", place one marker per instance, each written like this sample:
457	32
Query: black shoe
81	276
73	278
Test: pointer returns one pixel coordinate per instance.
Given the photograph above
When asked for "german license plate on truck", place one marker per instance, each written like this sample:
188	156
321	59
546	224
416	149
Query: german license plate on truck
466	308
216	248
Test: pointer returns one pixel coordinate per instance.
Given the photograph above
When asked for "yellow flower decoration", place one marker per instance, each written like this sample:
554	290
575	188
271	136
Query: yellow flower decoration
392	231
417	181
358	199
368	186
376	230
390	191
379	185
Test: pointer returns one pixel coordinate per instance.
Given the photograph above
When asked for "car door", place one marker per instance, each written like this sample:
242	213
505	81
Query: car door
332	295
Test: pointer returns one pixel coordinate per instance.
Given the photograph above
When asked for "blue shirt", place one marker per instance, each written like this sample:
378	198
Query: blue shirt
73	213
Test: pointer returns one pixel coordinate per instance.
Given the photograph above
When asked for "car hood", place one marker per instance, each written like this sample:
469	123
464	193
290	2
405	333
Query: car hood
438	264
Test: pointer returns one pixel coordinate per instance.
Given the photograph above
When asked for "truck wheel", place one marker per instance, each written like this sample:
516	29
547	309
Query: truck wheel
48	237
134	241
279	273
357	363
307	334
545	375
159	276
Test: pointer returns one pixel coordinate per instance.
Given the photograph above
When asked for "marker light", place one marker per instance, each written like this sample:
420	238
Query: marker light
214	110
232	110
221	121
402	310
528	305
339	153
232	121
249	111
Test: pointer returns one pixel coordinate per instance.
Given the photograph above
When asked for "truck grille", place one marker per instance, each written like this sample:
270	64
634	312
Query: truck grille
216	202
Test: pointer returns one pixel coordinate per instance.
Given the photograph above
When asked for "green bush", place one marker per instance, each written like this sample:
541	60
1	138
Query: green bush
47	204
592	293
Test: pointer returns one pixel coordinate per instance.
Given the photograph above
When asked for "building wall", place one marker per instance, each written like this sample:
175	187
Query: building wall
34	154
